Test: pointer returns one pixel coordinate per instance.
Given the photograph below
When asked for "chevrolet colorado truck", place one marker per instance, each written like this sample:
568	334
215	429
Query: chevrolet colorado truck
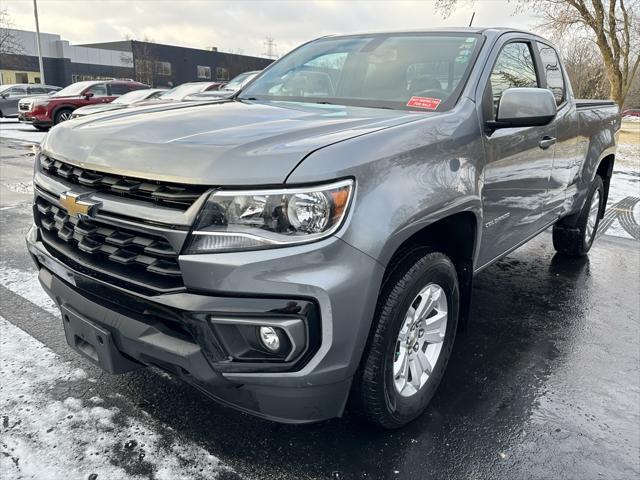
309	244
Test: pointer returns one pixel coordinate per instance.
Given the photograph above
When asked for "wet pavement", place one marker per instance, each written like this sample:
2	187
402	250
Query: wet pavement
544	383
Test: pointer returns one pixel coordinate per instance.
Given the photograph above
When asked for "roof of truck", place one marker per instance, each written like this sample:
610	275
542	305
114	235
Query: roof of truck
474	30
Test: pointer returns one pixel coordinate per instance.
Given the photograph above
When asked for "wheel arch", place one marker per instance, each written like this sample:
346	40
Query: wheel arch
456	236
56	109
605	171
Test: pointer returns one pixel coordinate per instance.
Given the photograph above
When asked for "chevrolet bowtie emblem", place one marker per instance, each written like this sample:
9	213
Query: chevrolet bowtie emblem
77	207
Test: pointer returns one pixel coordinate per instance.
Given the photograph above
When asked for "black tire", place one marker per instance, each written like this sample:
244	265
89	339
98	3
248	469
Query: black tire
61	114
374	397
570	233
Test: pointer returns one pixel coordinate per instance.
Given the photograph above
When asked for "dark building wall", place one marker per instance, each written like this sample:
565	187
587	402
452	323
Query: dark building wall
90	70
184	62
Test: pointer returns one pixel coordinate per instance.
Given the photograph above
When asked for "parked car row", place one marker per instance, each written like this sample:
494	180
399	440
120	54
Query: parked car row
56	105
44	112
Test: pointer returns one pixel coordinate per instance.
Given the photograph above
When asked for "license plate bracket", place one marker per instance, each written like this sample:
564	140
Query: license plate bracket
95	343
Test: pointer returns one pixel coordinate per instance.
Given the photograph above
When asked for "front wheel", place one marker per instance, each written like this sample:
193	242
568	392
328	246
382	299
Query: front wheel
413	333
574	235
62	116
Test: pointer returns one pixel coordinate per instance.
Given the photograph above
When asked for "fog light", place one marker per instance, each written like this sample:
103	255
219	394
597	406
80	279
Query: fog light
269	338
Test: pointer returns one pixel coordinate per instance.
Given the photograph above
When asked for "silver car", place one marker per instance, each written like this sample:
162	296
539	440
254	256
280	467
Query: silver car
11	94
127	100
236	84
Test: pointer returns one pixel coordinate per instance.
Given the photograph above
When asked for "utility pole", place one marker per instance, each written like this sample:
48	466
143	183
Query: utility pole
35	13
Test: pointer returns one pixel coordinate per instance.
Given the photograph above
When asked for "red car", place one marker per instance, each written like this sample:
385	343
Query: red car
43	112
631	112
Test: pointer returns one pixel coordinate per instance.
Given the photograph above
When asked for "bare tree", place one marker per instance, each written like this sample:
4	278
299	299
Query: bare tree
612	24
9	42
142	60
585	68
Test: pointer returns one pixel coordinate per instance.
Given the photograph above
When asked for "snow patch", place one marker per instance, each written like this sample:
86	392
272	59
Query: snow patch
46	438
26	285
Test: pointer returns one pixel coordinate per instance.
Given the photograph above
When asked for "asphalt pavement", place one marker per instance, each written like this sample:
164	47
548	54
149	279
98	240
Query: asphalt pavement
544	383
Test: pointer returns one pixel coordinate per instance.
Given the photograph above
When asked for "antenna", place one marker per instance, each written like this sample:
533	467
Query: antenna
472	17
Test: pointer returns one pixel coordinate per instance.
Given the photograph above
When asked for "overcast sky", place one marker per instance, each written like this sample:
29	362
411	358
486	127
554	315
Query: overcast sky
242	26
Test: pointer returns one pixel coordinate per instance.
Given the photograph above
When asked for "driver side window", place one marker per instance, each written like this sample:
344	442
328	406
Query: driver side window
513	68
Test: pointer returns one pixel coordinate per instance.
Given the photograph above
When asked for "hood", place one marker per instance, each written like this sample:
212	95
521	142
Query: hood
226	143
98	108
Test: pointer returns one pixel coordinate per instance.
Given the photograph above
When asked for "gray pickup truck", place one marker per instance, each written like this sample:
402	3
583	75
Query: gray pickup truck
309	244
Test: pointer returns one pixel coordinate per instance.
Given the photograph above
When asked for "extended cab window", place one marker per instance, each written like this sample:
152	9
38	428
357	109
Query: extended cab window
513	68
552	72
423	71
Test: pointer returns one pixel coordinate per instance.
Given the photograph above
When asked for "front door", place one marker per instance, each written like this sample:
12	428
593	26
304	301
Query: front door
518	161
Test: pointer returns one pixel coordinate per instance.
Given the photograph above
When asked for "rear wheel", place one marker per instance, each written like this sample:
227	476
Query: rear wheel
414	330
574	235
62	116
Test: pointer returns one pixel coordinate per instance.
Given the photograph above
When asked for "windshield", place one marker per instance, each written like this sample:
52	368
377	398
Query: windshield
238	81
181	91
131	97
73	89
5	87
399	71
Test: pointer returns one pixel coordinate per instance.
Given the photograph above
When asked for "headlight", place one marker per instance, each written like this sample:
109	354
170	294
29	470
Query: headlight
257	219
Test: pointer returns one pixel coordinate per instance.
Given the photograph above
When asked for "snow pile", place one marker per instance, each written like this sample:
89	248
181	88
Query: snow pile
74	438
11	128
26	285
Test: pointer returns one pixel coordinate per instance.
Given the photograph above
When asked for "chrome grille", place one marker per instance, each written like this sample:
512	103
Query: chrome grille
147	259
167	194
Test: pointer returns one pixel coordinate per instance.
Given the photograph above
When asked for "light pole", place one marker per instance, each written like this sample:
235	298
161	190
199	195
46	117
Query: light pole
35	13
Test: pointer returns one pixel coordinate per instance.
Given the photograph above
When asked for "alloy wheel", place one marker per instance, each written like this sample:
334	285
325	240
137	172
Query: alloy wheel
420	340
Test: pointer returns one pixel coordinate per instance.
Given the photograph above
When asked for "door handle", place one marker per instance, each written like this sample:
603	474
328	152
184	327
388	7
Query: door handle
546	142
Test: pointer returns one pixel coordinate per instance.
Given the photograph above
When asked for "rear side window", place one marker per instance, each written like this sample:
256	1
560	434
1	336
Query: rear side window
552	72
513	68
118	89
36	90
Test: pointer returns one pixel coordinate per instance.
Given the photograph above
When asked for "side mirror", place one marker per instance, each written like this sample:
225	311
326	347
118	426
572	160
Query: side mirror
88	95
524	107
4	95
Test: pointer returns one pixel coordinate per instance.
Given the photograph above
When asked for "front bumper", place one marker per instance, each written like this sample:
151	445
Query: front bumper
338	280
27	117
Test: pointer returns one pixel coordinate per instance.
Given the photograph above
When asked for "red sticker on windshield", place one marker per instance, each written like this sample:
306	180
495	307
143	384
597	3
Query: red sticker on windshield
424	102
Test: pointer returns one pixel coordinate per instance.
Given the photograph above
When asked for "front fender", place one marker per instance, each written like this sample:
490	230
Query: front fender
407	177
